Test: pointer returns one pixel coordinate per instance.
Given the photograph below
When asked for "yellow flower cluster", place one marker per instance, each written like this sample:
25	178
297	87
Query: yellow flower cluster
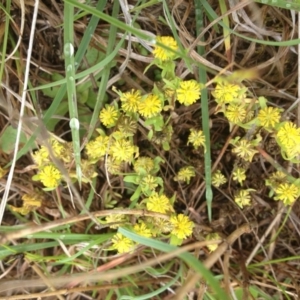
48	173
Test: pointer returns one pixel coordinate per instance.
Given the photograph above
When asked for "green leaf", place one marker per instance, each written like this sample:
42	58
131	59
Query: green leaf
8	139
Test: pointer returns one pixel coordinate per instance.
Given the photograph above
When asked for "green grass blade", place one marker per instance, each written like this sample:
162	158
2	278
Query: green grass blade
204	114
71	86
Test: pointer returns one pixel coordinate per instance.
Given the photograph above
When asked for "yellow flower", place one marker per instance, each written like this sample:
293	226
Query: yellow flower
50	176
113	166
287	193
143	164
109	116
275	179
115	218
188	92
97	148
235	113
288	137
269	117
245	150
242	198
148	184
239	174
57	147
30	202
41	156
159	203
218	179
185	174
130	101
182	226
212	237
121	243
196	138
127	126
122	150
162	53
150	106
142	229
226	92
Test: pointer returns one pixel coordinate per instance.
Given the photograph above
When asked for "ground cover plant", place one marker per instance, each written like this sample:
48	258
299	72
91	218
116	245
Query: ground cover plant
149	150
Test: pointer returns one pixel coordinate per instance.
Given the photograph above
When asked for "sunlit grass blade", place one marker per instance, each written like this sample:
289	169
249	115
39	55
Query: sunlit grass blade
71	86
204	115
226	32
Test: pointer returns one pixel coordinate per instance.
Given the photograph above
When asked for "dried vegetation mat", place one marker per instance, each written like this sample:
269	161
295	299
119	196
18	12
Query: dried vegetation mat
149	150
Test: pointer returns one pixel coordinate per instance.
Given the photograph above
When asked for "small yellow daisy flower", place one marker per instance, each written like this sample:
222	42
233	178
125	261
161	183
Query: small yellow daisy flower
162	53
122	150
226	92
159	203
235	113
243	198
196	138
188	92
142	229
130	101
212	237
239	175
185	174
41	156
97	148
109	116
50	176
287	193
121	243
143	164
115	218
182	226
218	179
245	150
148	184
30	202
275	179
150	106
288	137
57	147
269	117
